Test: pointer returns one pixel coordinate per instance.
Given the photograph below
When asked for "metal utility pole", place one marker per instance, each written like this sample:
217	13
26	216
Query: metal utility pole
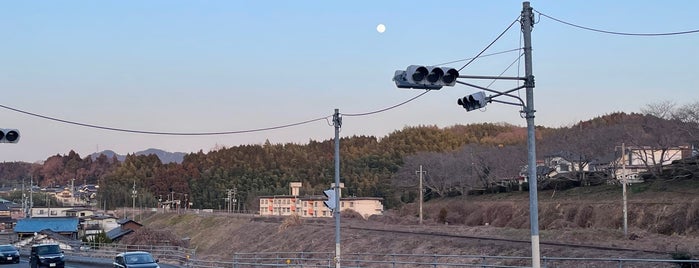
337	122
527	24
624	180
420	172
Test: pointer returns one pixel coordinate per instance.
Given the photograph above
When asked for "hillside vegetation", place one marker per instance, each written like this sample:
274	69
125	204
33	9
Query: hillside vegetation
459	159
663	219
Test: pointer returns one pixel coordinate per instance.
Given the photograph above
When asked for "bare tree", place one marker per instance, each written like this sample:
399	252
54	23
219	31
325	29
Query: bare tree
662	109
656	139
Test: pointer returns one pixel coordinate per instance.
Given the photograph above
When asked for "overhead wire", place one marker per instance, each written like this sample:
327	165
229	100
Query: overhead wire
160	132
491	43
470	60
614	32
135	131
388	108
506	69
482	56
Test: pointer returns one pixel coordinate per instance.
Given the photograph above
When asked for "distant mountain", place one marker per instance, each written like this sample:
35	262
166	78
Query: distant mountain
165	157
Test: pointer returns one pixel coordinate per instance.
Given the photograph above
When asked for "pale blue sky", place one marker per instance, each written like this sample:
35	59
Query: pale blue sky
206	66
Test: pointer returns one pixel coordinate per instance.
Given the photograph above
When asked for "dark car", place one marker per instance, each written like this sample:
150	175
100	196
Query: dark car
46	255
8	254
135	259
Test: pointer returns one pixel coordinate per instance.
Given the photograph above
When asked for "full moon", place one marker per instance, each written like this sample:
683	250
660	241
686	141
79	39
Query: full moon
380	28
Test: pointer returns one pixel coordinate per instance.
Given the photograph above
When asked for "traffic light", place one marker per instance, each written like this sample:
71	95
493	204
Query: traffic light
474	101
9	135
425	77
331	199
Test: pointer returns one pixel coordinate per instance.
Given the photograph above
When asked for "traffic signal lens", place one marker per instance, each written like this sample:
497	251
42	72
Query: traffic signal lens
435	75
11	136
450	76
420	74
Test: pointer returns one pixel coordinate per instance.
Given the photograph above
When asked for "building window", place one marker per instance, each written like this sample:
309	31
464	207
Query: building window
351	204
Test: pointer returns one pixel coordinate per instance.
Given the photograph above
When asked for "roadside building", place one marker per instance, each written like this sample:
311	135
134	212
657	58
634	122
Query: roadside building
65	226
313	207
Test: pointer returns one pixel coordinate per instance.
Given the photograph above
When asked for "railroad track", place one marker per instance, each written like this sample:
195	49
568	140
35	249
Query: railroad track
497	239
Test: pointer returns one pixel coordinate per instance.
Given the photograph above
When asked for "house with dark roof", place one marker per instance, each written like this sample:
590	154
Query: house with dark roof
65	226
126	226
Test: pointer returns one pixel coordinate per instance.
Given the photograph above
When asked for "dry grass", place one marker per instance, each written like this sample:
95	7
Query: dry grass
658	221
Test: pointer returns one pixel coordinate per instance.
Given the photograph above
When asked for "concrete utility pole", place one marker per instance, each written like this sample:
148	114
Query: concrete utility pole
234	206
133	197
229	198
420	172
72	192
31	194
337	122
416	76
527	23
624	180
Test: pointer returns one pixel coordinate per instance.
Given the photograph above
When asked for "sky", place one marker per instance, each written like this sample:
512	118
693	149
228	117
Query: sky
220	66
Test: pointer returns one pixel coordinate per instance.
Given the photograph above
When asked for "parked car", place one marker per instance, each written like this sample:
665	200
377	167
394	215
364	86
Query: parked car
46	255
9	254
135	259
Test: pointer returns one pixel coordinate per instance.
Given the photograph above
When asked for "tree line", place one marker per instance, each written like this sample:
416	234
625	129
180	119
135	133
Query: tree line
457	159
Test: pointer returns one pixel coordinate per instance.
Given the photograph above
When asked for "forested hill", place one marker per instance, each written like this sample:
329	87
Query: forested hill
370	166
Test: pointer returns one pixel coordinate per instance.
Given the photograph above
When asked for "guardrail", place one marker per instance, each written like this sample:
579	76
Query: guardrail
169	254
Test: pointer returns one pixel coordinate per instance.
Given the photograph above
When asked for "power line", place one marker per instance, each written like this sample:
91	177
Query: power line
388	108
491	43
506	69
481	56
159	132
616	33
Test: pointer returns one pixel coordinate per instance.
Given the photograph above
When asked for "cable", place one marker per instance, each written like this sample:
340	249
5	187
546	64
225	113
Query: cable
482	56
388	108
479	55
506	69
617	33
491	43
158	132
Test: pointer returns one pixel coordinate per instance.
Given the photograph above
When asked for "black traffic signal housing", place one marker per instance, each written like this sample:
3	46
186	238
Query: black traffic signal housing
9	135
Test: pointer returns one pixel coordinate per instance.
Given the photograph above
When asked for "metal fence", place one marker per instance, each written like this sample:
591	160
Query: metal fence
357	260
186	258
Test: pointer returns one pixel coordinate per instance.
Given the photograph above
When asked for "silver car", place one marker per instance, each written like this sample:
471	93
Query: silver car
135	259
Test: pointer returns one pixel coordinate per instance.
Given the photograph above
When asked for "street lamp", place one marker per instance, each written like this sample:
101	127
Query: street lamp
425	77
